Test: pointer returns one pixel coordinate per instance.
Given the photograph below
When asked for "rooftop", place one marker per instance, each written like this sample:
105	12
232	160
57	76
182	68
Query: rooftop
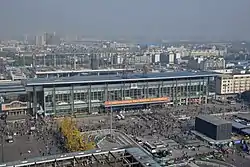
238	125
212	119
115	78
10	83
246	131
244	116
11	86
142	157
58	71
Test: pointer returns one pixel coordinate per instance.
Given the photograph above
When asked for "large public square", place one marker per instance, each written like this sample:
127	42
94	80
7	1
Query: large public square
169	126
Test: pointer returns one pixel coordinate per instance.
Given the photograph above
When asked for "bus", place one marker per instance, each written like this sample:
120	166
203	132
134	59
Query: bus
150	148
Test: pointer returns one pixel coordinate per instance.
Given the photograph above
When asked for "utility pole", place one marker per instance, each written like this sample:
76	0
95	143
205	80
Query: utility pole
111	121
3	128
2	147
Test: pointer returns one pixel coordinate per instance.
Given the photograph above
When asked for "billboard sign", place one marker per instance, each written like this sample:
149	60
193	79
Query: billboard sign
146	100
14	105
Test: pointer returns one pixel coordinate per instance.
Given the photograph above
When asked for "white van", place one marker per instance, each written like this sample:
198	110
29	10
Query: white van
118	117
10	139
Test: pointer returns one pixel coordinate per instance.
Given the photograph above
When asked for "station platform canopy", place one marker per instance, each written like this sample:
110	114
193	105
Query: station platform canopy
245	117
238	126
246	131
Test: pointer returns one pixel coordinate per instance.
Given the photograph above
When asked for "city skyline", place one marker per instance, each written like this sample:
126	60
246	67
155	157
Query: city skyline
170	20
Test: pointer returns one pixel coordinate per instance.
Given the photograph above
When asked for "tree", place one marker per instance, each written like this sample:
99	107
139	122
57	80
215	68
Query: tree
74	140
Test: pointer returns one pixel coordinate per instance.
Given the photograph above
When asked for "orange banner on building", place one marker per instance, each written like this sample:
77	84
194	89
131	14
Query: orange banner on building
160	99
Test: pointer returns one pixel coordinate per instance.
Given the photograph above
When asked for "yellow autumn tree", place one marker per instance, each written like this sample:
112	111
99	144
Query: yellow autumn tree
74	140
86	143
66	127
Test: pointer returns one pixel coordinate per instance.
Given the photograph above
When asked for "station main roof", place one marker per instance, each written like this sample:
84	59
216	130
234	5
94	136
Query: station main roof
116	78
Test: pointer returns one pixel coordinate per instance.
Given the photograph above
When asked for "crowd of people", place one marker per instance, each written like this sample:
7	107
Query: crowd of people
156	124
39	136
163	122
166	121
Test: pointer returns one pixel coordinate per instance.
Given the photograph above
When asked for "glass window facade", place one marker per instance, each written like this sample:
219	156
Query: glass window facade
91	97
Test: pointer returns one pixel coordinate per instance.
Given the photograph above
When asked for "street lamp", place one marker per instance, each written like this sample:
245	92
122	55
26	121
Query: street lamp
111	121
111	116
3	117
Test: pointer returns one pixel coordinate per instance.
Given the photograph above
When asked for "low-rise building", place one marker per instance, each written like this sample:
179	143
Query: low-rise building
213	127
201	63
232	83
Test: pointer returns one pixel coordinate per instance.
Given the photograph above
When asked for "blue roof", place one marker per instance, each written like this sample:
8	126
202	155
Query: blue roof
246	131
168	74
238	126
115	78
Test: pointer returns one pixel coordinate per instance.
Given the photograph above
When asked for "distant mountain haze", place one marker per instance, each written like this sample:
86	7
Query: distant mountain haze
152	19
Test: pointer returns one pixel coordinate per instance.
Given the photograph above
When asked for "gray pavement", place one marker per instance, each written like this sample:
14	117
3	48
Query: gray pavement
239	160
28	144
25	147
154	124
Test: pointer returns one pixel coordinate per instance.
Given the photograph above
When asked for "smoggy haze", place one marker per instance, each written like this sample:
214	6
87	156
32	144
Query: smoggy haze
169	19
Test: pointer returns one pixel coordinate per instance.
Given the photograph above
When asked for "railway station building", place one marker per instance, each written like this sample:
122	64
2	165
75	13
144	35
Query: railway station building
79	94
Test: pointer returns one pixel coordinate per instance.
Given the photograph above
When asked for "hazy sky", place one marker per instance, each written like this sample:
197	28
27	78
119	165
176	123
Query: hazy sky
165	19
